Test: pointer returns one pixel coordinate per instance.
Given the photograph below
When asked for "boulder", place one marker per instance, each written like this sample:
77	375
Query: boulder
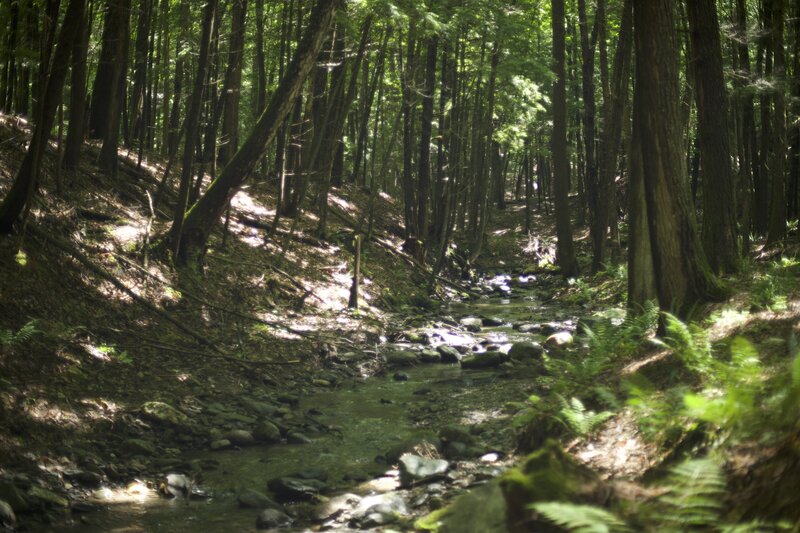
449	354
528	328
379	510
47	498
526	350
492	321
139	447
336	506
401	358
292	488
163	413
267	432
14	496
414	469
220	444
430	356
240	437
484	360
7	516
559	340
472	324
297	438
272	519
253	499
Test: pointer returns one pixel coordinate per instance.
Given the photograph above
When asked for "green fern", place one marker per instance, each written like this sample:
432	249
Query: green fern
9	337
580	518
695	494
579	419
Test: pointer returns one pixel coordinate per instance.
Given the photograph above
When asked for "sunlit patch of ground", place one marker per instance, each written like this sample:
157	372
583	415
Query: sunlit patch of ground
617	449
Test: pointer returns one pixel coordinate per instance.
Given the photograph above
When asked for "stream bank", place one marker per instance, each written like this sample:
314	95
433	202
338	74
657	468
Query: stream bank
328	458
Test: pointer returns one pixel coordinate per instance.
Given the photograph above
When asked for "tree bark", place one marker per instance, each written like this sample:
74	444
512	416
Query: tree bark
614	106
777	211
720	235
77	95
202	217
27	176
424	181
565	252
192	121
683	277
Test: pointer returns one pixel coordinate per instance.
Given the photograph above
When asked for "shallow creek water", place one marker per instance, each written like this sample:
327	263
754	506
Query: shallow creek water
370	417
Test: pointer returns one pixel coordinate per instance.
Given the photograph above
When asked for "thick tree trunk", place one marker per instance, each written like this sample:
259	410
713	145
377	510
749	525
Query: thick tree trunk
77	95
641	277
118	55
202	217
27	176
683	277
106	81
565	251
719	235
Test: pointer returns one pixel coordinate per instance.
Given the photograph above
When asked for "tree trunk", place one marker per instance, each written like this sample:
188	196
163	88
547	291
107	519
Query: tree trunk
106	81
77	95
424	181
192	121
233	83
565	252
614	106
683	277
135	107
202	217
719	236
18	197
118	36
777	209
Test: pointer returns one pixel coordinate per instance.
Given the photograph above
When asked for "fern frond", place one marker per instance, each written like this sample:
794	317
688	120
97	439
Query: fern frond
9	338
580	518
695	496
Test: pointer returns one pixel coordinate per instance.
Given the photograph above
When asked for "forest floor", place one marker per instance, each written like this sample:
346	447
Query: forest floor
114	366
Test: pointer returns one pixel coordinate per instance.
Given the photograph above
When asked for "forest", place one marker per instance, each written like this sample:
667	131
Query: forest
400	265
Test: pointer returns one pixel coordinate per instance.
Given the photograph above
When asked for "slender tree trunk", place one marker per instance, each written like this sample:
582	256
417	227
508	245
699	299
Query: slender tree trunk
720	235
233	83
614	106
135	107
19	196
424	181
77	95
407	77
202	217
192	121
565	252
777	210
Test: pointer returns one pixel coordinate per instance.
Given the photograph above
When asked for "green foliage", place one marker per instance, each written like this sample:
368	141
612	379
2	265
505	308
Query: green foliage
580	518
694	496
10	338
579	419
691	498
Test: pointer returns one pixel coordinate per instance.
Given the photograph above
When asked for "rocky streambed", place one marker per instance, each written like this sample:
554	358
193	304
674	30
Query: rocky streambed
349	453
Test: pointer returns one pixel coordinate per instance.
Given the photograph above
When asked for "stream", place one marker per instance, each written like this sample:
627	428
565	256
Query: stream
369	419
